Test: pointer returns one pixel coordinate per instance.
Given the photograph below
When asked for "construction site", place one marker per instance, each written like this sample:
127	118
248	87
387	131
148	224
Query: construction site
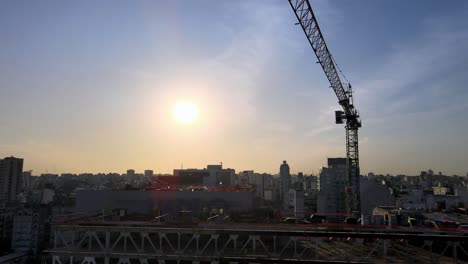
110	237
216	216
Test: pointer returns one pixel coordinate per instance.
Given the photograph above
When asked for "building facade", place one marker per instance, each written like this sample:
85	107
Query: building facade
167	202
294	203
148	173
31	228
210	176
11	173
285	181
6	226
332	196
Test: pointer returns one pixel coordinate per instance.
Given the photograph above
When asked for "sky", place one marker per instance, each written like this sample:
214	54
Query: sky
90	86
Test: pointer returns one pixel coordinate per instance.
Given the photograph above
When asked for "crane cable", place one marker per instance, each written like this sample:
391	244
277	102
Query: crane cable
338	67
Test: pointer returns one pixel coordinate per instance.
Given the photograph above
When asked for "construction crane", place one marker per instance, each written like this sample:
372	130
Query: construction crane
308	22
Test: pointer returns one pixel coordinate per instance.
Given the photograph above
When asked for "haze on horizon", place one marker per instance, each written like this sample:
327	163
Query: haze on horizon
90	86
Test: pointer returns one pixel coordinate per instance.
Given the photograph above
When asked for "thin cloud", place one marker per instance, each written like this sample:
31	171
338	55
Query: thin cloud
415	75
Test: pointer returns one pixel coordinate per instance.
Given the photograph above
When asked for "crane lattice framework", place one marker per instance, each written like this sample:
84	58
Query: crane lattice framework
308	22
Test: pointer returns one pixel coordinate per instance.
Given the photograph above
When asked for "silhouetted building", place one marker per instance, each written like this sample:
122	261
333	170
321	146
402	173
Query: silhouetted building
300	182
311	183
11	173
31	228
332	196
213	171
374	194
285	180
191	176
258	180
294	202
148	173
26	181
245	177
212	175
6	226
220	176
165	201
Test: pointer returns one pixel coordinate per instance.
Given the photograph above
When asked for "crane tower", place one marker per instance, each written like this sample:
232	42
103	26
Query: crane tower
308	22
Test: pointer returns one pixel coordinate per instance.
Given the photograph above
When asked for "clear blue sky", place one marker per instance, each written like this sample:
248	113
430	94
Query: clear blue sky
90	85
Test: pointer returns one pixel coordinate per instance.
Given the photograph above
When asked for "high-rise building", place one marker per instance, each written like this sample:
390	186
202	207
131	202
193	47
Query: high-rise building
26	181
130	177
332	195
11	173
285	180
148	173
300	183
314	183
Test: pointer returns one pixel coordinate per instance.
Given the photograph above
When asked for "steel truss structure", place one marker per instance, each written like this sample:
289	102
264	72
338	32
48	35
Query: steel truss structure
153	244
308	22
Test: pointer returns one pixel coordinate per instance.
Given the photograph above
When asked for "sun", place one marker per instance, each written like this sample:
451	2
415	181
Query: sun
185	112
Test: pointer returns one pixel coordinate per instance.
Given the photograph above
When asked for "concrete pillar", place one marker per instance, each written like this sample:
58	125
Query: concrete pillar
385	246
234	238
254	239
55	238
178	241
161	236
454	251
56	260
197	237
107	241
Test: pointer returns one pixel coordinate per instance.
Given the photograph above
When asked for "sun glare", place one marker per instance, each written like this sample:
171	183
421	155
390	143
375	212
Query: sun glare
185	112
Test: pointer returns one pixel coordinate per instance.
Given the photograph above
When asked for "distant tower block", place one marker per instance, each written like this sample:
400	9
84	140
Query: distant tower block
285	180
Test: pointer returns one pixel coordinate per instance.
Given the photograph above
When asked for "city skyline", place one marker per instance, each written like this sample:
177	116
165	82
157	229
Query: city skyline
238	171
90	87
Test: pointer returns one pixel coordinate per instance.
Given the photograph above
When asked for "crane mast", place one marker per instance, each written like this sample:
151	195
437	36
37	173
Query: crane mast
308	22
